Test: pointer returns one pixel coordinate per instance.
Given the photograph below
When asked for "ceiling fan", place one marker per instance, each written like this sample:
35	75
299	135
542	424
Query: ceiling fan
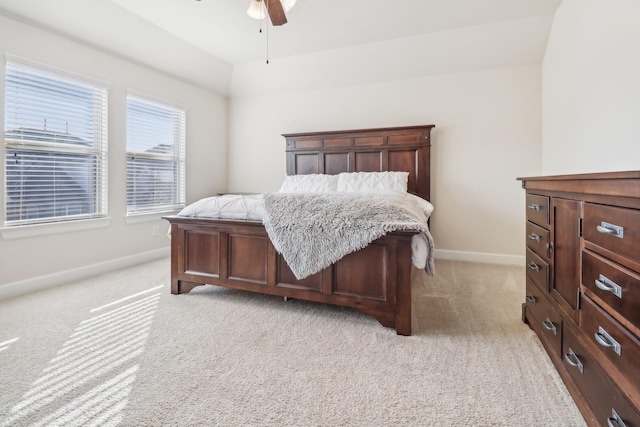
275	8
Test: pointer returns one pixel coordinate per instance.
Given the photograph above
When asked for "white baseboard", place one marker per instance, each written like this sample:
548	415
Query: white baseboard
479	257
22	287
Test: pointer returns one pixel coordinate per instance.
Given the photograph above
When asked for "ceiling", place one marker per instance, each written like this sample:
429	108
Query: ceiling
222	27
221	31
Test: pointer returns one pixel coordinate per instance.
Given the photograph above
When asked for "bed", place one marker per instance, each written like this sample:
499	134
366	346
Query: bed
375	280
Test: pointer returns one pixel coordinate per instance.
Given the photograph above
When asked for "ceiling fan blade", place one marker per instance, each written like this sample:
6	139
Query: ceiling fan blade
276	12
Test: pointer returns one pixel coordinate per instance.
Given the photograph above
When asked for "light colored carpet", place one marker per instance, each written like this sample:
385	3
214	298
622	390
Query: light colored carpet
119	349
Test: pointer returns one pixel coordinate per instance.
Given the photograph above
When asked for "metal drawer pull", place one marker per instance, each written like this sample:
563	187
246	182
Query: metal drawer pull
531	299
573	360
534	236
534	207
535	267
550	326
611	229
614	420
604	339
607	285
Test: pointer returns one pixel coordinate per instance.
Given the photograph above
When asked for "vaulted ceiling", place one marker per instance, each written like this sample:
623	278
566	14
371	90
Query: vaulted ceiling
211	37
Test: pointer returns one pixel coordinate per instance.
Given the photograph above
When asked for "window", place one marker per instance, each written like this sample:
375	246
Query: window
155	157
55	137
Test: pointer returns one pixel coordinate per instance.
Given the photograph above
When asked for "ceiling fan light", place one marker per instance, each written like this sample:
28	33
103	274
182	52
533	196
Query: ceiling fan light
288	4
256	10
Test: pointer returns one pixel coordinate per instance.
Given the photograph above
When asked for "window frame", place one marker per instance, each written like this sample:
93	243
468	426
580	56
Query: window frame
96	150
177	158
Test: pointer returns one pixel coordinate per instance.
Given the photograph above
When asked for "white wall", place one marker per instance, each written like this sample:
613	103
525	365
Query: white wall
591	88
487	133
32	262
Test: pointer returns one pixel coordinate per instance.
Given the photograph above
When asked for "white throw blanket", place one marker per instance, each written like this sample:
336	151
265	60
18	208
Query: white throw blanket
314	230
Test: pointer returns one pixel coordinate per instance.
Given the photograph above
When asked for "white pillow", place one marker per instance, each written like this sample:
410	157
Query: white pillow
373	181
311	183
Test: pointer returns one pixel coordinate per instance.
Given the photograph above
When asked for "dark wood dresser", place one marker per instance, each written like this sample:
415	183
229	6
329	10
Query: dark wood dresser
583	287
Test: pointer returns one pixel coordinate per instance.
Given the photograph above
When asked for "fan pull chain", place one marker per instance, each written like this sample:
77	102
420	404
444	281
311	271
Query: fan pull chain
266	4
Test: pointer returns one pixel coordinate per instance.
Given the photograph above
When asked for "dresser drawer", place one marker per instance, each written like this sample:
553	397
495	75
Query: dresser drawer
615	229
535	301
544	319
537	270
612	341
538	209
602	394
538	240
616	286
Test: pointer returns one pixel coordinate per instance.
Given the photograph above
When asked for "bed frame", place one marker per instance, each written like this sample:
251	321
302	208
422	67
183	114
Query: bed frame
375	280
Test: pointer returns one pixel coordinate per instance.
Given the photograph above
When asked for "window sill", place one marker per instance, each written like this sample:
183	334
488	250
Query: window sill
36	230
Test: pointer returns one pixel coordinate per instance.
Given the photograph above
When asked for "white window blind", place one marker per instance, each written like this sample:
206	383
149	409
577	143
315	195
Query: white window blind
55	137
155	157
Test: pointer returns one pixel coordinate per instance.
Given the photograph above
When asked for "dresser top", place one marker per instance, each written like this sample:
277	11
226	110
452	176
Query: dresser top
590	186
584	176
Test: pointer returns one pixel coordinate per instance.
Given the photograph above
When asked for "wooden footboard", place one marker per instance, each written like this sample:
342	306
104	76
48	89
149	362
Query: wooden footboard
238	254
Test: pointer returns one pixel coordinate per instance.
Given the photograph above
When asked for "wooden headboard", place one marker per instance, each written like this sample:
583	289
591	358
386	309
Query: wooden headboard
405	149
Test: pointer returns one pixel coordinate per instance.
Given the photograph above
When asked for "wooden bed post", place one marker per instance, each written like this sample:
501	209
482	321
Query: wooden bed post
403	289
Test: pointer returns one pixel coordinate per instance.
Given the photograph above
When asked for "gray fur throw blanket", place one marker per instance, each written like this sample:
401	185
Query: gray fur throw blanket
314	230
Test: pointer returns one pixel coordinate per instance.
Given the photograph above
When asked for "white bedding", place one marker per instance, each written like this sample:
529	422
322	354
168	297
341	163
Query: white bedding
228	206
246	207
